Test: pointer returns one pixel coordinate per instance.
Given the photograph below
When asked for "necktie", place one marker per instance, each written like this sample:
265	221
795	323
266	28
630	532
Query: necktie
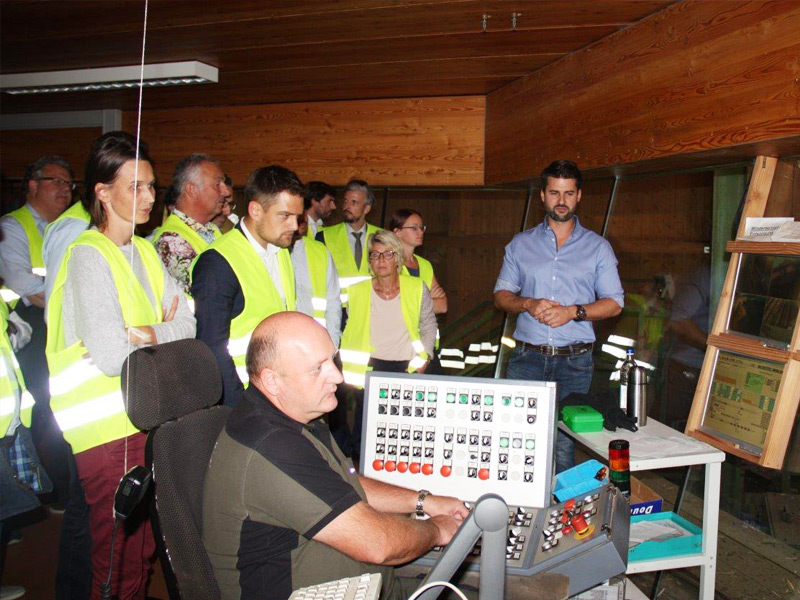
358	250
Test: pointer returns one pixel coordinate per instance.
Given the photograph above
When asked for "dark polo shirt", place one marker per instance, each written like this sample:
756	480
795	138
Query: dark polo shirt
272	484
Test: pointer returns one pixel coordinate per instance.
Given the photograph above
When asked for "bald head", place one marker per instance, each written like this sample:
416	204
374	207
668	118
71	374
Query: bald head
290	361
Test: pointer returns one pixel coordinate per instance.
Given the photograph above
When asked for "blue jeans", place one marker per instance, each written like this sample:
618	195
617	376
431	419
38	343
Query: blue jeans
571	373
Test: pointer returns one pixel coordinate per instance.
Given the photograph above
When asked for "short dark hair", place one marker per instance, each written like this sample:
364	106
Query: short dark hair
400	217
187	169
109	152
266	183
359	185
562	169
317	190
34	170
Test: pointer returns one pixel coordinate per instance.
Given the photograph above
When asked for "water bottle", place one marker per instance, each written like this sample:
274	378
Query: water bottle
637	394
623	379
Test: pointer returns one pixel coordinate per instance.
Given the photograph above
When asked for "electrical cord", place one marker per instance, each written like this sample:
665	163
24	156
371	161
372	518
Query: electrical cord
433	584
105	587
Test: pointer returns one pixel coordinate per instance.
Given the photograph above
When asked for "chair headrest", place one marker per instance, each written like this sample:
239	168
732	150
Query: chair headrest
169	381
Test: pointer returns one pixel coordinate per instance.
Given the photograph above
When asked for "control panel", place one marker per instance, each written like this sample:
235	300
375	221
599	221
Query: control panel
460	436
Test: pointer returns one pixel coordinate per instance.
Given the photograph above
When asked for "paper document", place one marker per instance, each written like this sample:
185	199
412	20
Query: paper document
788	232
655	531
760	229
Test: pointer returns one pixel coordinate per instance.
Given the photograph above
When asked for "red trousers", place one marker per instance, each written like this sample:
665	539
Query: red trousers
100	470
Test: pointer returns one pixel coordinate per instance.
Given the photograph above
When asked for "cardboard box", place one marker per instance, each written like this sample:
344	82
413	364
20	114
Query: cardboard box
644	501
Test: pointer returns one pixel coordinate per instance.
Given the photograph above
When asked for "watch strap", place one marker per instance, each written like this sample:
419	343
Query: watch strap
420	508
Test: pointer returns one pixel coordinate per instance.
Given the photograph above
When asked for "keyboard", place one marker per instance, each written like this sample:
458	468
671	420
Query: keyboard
362	587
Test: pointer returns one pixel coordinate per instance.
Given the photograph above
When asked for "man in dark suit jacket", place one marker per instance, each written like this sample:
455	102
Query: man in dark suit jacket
246	275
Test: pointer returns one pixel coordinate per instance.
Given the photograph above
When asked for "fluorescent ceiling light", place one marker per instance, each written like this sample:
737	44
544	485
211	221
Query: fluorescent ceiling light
109	78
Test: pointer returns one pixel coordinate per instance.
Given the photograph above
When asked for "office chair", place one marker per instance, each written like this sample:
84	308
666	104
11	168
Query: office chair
171	387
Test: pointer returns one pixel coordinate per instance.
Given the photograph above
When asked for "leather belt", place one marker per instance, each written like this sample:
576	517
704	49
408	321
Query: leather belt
571	350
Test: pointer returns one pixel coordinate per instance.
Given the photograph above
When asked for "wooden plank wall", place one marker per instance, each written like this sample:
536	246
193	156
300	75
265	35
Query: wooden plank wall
409	142
696	76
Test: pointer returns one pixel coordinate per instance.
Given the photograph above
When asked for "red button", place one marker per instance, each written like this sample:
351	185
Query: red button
569	504
390	465
483	474
564	518
377	465
402	467
427	469
414	467
579	523
566	530
446	471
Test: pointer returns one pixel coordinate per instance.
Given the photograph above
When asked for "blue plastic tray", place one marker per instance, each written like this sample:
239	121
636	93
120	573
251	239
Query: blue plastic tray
579	480
689	544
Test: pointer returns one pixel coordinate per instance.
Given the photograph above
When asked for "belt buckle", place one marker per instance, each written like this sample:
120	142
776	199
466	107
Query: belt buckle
549	350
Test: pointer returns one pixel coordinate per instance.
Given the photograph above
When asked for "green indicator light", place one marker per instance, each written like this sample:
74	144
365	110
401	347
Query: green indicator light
383	393
432	396
420	395
504	442
506	400
519	402
463	398
529	445
488	400
451	398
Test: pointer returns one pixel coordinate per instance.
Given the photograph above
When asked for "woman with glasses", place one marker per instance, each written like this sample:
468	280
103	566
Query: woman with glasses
407	225
390	322
111	296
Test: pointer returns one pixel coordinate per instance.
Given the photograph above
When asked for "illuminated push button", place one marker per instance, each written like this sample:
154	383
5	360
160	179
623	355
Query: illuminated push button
402	467
517	443
463	399
488	400
446	471
506	400
383	393
390	466
451	398
414	467
519	401
420	395
377	465
504	442
483	474
432	396
530	445
427	469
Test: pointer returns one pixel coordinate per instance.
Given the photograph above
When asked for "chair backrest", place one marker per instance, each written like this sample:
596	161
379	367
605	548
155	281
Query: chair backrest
171	386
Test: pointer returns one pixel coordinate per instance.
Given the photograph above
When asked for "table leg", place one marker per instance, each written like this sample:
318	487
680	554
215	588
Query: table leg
710	530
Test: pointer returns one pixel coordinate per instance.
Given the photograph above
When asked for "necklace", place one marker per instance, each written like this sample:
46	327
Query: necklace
387	295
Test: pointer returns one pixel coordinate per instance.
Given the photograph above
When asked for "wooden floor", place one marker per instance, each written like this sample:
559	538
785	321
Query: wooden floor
751	565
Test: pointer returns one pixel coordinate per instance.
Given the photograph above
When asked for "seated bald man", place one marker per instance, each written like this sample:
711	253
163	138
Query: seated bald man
282	507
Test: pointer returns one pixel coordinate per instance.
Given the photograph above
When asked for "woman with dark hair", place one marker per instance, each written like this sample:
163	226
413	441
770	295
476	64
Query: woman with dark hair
111	296
407	225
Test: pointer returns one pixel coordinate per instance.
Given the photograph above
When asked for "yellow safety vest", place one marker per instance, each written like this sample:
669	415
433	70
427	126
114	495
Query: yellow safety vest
261	297
174	224
339	246
425	270
24	217
356	346
11	380
76	211
317	259
87	404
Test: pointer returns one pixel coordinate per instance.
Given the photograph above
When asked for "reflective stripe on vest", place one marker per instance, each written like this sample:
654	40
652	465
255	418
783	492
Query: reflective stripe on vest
87	404
261	297
24	217
11	381
356	346
426	274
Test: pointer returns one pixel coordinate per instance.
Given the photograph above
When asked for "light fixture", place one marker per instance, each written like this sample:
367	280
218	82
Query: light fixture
109	78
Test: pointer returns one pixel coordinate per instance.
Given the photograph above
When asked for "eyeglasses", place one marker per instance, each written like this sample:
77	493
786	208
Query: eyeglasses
388	255
58	182
421	228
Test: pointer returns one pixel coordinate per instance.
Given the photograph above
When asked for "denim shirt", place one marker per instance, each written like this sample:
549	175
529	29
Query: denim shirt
582	271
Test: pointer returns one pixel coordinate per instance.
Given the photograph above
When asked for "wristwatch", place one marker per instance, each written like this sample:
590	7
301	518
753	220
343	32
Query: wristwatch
420	508
580	313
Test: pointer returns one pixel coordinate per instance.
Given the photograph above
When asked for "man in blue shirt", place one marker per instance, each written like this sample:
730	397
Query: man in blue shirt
559	277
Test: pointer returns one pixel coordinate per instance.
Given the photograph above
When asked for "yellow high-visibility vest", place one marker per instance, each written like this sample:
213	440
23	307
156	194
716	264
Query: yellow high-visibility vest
174	224
356	347
24	217
11	380
317	260
261	297
87	404
338	244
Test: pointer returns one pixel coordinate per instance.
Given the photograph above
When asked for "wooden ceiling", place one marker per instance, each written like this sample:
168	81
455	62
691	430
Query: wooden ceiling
301	50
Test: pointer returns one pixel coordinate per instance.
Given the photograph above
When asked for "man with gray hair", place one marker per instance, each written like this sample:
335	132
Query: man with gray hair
347	241
201	193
